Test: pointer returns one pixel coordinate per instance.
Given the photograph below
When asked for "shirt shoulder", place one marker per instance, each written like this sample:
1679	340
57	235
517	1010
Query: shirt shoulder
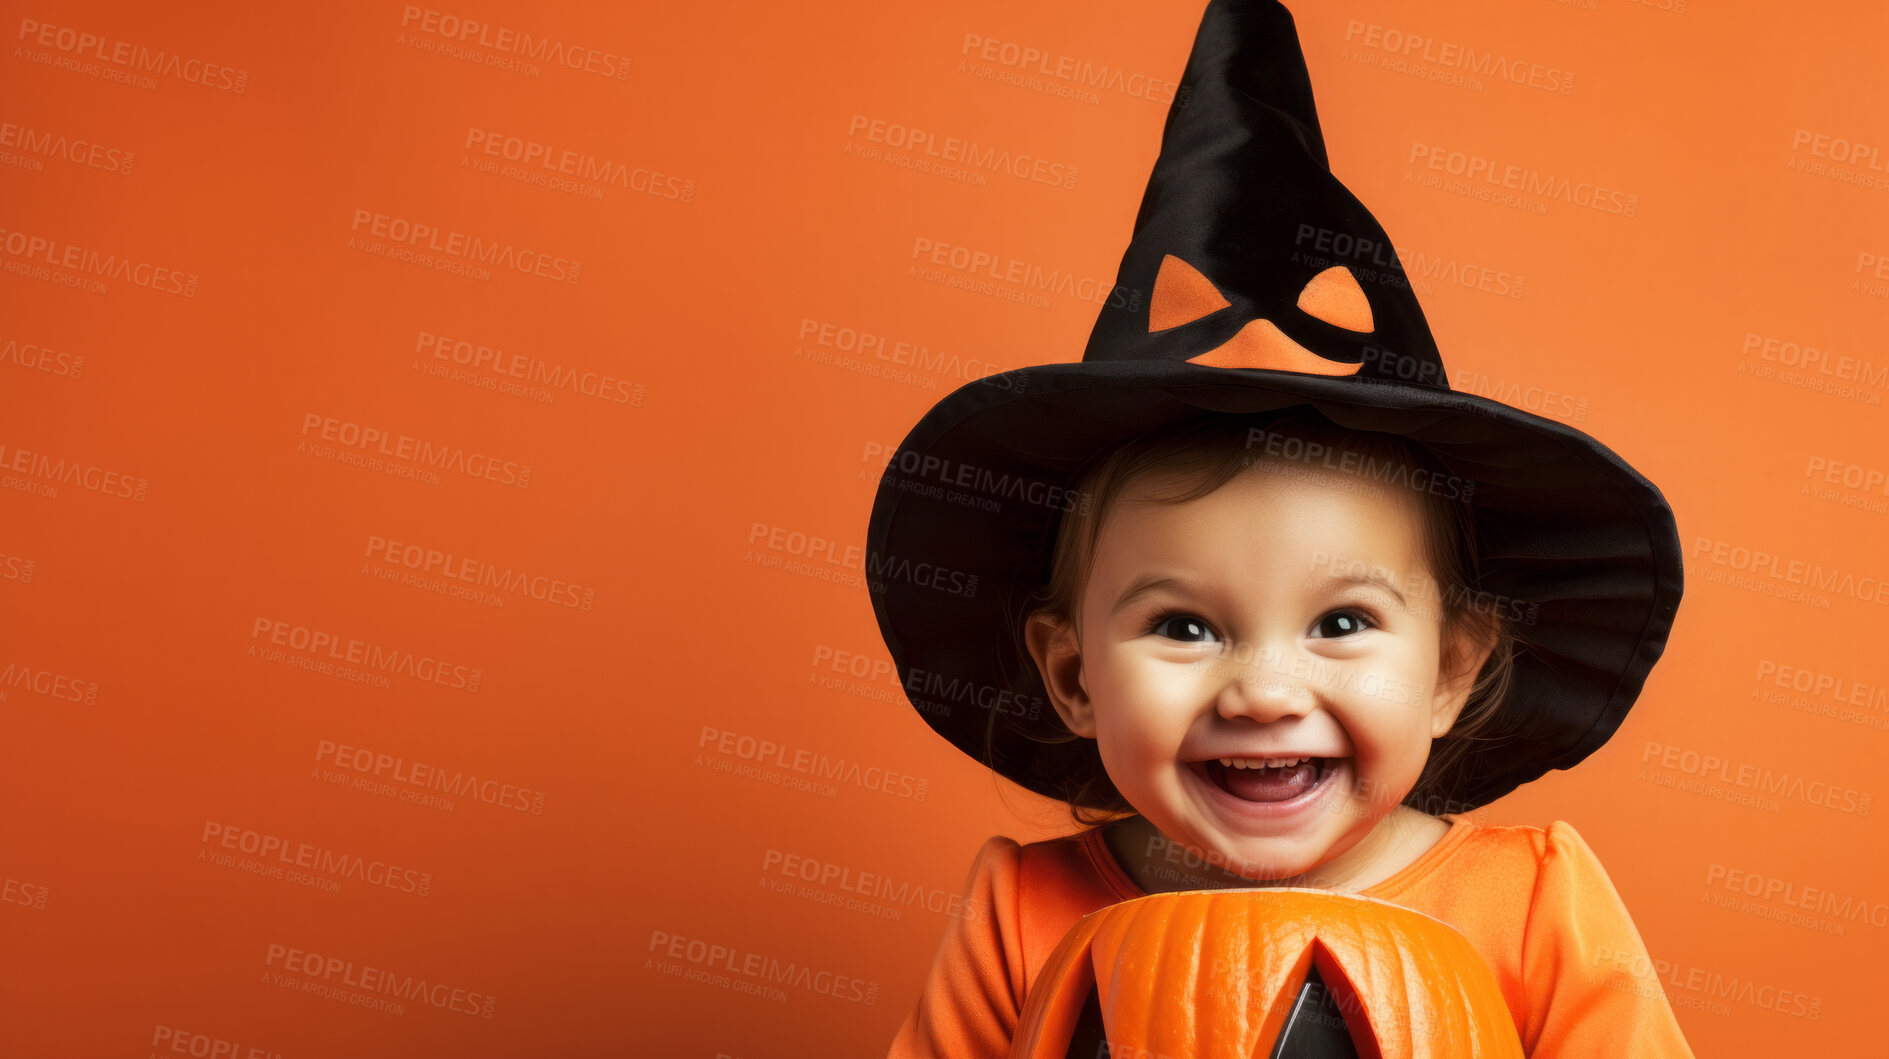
1549	862
969	1003
1519	853
1540	908
1513	843
1018	901
1590	980
1526	879
1490	869
1035	891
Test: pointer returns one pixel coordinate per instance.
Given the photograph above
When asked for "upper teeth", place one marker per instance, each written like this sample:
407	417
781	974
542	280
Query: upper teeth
1262	762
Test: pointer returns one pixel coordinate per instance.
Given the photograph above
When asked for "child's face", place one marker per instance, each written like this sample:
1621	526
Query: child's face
1271	647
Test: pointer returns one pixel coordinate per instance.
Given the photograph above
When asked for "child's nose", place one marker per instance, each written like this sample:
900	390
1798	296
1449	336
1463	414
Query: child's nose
1262	690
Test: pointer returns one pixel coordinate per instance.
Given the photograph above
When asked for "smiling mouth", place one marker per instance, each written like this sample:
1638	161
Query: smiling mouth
1269	783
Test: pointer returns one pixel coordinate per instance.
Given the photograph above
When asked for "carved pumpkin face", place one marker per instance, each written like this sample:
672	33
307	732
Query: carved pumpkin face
1264	974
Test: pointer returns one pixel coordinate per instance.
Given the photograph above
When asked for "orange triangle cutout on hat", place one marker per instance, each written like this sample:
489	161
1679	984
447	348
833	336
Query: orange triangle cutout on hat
1335	297
1181	295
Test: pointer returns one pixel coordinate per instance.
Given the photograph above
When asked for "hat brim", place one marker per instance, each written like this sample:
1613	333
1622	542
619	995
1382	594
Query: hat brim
960	534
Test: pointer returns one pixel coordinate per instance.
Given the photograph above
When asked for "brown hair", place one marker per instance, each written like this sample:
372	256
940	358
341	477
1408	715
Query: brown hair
1208	452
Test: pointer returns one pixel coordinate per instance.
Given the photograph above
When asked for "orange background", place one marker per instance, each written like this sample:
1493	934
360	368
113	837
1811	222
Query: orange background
125	930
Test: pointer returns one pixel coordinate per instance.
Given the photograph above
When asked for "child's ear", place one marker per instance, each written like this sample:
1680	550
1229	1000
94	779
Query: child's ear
1460	663
1058	656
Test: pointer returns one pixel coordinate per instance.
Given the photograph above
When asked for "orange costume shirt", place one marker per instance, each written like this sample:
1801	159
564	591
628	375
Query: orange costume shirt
1535	902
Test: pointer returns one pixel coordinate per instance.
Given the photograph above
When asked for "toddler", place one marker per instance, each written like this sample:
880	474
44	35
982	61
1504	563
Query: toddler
1265	601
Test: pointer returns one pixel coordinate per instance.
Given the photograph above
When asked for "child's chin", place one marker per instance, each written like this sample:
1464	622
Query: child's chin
1289	859
1264	861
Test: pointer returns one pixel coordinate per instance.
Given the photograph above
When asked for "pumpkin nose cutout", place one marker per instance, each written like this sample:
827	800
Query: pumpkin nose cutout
1090	1038
1316	1028
1260	344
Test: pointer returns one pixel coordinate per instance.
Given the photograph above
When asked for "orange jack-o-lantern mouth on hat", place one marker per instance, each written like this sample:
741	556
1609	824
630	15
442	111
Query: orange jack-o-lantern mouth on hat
1264	974
1182	295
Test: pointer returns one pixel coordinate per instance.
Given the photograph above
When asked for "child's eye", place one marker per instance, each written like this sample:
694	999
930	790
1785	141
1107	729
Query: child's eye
1186	625
1340	623
1188	628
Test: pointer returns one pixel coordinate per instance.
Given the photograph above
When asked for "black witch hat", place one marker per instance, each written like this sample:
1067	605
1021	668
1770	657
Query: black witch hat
1271	287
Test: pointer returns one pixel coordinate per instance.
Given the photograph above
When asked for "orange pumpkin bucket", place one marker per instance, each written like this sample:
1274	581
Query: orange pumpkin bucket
1264	974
